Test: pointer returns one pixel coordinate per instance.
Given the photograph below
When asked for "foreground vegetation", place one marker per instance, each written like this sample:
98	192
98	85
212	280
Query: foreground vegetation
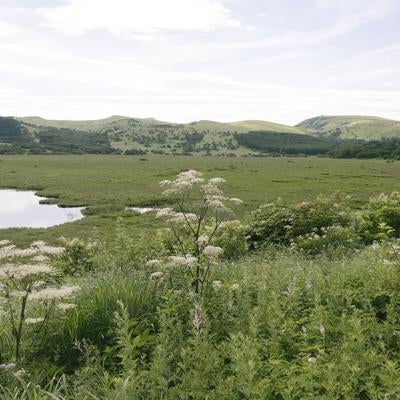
297	301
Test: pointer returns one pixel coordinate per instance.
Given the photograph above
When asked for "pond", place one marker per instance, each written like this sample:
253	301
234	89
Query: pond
141	210
22	209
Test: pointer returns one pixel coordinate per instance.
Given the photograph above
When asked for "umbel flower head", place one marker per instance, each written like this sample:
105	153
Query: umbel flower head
180	261
183	182
22	271
213	251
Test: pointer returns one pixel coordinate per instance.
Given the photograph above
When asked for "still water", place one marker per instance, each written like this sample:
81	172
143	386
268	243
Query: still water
21	209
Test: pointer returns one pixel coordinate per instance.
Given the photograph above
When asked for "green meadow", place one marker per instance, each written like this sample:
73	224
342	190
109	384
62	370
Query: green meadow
297	300
106	184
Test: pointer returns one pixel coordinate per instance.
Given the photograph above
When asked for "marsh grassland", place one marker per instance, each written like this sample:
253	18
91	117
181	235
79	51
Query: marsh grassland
106	184
255	278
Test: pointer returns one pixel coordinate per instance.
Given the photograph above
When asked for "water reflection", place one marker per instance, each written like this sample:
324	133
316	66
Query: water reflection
21	209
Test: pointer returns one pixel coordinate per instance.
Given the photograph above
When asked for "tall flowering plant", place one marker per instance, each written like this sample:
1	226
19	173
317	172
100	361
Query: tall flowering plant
28	292
200	209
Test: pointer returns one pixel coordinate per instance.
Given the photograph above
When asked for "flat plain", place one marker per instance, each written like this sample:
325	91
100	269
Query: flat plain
106	184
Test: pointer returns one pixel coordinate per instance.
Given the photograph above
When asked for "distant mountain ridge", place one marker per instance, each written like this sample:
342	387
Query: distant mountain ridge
239	126
352	127
126	135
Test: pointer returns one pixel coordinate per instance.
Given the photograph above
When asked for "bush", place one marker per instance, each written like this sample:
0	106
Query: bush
381	218
78	257
279	224
231	237
333	240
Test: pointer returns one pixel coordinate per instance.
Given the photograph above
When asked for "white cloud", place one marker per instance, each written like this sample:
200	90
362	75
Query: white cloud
138	16
8	30
342	17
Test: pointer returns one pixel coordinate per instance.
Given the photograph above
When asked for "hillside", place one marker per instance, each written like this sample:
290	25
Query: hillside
352	127
142	135
335	136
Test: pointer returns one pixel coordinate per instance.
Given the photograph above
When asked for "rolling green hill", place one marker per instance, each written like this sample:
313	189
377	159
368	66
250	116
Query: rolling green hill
141	135
338	136
352	127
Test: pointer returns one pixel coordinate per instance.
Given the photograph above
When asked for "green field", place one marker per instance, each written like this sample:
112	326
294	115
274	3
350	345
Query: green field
106	184
300	301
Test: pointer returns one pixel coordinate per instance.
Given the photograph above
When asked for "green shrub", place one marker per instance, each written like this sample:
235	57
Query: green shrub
79	257
333	240
276	223
231	237
381	218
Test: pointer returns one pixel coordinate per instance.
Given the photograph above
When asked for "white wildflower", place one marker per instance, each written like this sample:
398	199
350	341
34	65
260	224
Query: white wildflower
165	212
18	294
234	286
183	182
312	360
180	261
12	251
34	320
65	306
216	284
44	248
40	258
153	263
22	271
20	373
5	242
54	293
156	275
235	200
213	251
203	240
215	203
216	181
322	330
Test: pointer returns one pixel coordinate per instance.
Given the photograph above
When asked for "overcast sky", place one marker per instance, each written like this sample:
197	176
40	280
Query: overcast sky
183	60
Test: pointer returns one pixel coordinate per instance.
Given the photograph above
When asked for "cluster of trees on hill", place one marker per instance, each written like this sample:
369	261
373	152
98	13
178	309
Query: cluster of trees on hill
284	143
297	144
16	139
11	130
385	148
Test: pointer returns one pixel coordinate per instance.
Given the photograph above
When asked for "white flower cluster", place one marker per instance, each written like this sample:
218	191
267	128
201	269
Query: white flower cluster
213	252
203	240
156	275
180	261
153	263
33	320
177	218
43	248
216	284
214	196
52	293
65	306
8	250
24	270
183	182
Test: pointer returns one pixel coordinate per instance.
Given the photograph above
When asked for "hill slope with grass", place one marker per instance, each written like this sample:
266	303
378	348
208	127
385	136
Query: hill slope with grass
352	127
143	135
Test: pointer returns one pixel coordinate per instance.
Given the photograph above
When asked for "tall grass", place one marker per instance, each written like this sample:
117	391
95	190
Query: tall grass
280	326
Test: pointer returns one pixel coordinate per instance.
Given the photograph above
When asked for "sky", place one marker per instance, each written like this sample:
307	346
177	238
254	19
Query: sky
187	60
